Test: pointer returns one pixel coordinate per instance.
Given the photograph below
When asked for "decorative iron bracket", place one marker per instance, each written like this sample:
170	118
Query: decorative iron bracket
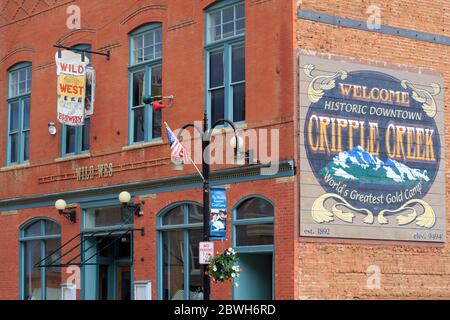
107	54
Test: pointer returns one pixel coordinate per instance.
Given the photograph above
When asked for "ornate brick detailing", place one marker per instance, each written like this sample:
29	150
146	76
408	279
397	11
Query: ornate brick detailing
12	11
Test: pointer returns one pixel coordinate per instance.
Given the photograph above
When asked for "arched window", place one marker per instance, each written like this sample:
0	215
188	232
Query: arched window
179	233
40	239
253	222
18	102
253	238
145	74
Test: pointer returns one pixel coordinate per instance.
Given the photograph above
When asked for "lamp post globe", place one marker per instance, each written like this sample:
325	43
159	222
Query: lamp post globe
60	205
124	197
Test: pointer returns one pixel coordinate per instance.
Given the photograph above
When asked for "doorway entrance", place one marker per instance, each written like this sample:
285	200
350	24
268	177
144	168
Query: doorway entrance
255	283
114	271
108	252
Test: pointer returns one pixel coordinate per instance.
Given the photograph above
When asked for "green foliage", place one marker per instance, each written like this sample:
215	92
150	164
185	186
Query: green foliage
224	266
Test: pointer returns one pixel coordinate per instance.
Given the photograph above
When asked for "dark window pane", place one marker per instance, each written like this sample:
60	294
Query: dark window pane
255	208
124	246
216	69
32	276
52	274
33	230
228	14
26	145
239	102
138	88
70	139
85	134
239	11
14	117
103	276
26	114
108	216
238	63
215	18
228	30
254	234
156	90
149	53
158	51
174	216
195	213
240	26
14	84
13	147
217	105
148	39
137	41
195	278
22	81
52	228
157	120
173	265
138	133
215	33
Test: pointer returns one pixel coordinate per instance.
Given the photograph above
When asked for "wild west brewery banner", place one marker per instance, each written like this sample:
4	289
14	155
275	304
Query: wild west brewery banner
372	150
71	72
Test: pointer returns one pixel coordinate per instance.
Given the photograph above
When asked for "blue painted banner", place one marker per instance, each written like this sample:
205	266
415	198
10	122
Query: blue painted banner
218	217
372	156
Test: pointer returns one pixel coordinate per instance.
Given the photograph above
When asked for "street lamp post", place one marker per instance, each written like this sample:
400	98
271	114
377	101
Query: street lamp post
206	207
206	139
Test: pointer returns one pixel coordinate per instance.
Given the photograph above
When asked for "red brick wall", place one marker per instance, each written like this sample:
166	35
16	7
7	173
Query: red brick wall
278	191
30	35
11	223
269	91
338	268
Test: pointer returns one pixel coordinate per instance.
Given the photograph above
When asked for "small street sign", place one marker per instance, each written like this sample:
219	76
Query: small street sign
206	252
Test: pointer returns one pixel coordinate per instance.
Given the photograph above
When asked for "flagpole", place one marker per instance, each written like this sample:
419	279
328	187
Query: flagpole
190	159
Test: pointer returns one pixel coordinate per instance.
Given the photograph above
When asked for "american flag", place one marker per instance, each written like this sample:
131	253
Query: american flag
177	149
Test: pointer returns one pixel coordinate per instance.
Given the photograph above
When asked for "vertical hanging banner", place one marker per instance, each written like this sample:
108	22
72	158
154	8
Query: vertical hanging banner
71	87
218	217
372	157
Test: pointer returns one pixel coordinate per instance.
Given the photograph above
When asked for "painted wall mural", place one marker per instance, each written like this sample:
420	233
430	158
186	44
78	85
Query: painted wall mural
372	150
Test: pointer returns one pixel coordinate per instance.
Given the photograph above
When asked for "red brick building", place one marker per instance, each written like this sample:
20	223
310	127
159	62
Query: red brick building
240	60
165	42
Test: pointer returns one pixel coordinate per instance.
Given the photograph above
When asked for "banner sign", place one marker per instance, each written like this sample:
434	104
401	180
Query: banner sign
90	92
372	157
218	217
71	72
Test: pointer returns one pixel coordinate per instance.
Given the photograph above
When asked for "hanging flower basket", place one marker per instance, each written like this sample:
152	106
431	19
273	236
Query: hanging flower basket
224	267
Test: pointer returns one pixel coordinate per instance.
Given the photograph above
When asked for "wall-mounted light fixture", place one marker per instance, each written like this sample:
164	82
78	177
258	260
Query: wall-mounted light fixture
61	205
125	198
51	128
249	155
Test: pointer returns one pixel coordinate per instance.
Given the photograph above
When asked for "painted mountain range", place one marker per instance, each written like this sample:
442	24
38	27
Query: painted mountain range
360	166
